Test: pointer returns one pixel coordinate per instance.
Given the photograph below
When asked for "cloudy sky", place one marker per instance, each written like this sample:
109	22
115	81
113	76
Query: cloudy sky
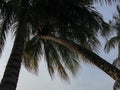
88	78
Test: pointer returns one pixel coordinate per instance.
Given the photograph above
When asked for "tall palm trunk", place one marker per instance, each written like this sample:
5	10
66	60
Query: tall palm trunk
94	58
11	74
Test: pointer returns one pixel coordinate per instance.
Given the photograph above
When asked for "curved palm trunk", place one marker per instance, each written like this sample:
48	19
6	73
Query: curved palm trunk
11	74
117	61
94	58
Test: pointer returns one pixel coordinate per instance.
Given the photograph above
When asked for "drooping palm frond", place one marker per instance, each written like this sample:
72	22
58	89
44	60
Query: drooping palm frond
112	43
65	49
87	54
59	59
32	54
4	27
8	18
69	59
53	61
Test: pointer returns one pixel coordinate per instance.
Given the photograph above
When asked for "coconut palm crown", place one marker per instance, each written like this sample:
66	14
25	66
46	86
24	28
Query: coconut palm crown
68	19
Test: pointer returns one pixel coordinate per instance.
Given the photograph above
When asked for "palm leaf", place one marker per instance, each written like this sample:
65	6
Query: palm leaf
67	52
112	43
69	59
4	30
32	54
8	18
53	61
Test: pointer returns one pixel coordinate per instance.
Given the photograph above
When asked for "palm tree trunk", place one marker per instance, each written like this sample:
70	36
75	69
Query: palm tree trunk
108	68
11	74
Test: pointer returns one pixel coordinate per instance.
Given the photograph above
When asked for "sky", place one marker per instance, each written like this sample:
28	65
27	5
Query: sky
88	78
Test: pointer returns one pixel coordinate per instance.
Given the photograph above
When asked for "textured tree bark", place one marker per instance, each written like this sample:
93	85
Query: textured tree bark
108	68
11	74
116	63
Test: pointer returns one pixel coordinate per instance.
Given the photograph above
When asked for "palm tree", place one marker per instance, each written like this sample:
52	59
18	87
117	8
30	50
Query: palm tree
46	36
85	54
11	73
39	17
115	41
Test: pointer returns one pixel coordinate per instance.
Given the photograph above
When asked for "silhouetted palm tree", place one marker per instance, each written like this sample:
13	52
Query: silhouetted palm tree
73	20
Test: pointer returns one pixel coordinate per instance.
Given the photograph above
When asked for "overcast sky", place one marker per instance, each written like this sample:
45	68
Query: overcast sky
88	78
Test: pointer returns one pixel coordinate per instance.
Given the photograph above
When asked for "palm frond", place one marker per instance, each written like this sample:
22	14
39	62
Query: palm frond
53	61
112	43
4	27
69	59
67	53
32	53
67	47
7	21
